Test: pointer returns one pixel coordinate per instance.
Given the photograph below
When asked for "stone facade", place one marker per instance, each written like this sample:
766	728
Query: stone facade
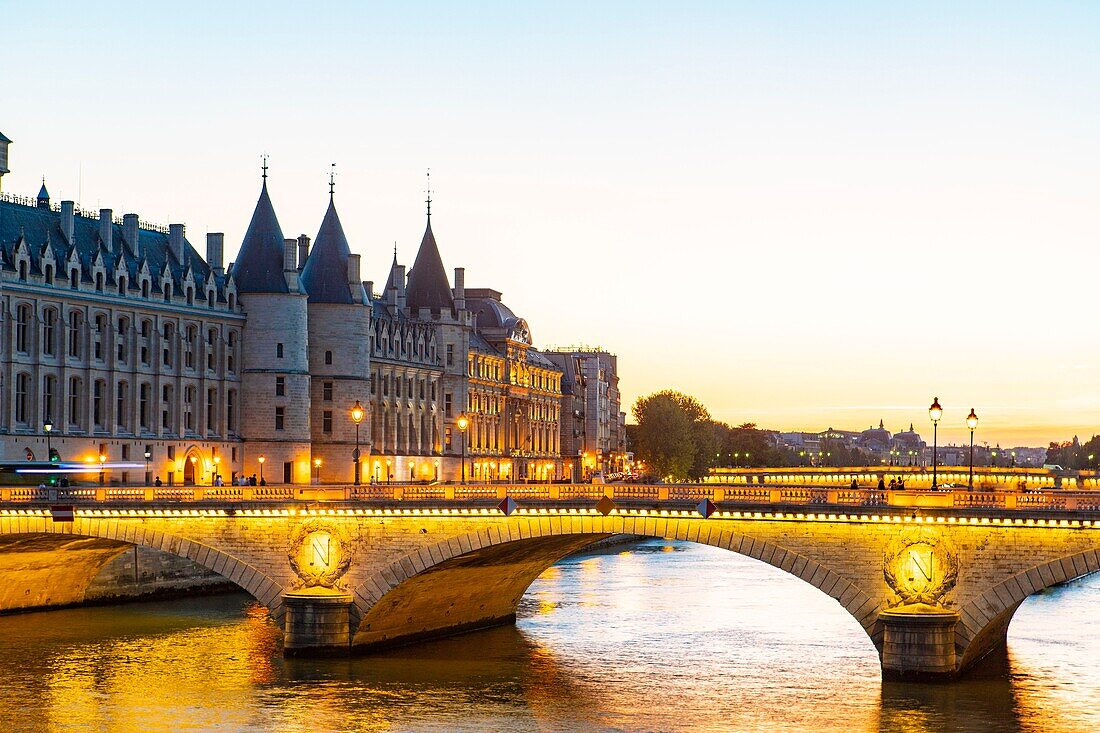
127	342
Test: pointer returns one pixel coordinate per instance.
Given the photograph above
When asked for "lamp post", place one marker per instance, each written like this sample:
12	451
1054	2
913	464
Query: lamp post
935	412
102	469
972	422
47	428
317	470
148	476
389	471
194	460
214	478
357	413
463	423
261	459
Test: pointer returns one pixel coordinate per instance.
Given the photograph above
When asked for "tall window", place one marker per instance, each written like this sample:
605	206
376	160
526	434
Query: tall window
191	345
278	351
76	321
280	417
49	388
211	410
188	408
22	328
326	391
120	349
100	335
21	388
143	405
76	414
326	421
98	387
450	354
167	408
328	357
280	386
49	330
230	410
122	417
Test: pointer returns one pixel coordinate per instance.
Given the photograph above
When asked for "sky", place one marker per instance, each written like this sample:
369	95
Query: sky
804	214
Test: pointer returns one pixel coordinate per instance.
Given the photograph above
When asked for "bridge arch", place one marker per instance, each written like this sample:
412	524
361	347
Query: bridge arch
984	621
476	579
249	578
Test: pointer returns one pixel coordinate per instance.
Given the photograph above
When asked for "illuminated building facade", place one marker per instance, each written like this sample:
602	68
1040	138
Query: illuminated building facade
126	341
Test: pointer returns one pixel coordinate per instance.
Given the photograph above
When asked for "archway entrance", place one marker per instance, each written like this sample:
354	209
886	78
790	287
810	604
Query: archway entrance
192	467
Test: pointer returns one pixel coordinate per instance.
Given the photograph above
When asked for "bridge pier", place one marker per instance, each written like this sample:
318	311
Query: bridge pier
918	643
318	623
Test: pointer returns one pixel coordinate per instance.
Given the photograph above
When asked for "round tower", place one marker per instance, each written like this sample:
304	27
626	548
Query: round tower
275	382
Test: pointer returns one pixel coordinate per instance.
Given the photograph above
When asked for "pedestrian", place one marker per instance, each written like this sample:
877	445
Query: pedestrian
901	484
893	484
881	484
252	480
855	485
157	482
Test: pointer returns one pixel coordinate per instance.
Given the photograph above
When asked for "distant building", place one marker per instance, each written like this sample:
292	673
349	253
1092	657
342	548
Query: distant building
594	426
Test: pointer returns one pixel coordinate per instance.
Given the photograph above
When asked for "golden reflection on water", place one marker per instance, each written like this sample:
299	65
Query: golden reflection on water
662	636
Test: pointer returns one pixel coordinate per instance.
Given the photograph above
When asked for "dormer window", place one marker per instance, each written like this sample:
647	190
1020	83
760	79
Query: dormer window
145	288
49	274
122	285
74	278
23	270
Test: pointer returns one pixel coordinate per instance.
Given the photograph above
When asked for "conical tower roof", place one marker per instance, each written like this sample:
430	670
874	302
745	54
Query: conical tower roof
428	286
259	265
43	194
325	275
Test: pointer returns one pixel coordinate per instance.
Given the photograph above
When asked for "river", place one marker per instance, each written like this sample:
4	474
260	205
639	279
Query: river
658	636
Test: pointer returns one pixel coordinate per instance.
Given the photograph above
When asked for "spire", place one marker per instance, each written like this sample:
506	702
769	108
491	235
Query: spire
43	196
263	166
428	286
429	201
259	265
325	275
394	254
332	181
881	424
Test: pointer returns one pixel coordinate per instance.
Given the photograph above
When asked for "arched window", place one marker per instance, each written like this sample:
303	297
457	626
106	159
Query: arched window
49	390
22	388
23	270
76	323
22	328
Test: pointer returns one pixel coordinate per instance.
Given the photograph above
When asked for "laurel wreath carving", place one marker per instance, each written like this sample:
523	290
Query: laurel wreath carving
942	551
310	576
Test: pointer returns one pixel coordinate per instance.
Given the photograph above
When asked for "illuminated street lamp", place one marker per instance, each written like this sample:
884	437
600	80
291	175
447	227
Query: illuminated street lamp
47	428
261	459
217	461
389	473
148	473
972	422
357	413
317	470
463	423
935	412
102	469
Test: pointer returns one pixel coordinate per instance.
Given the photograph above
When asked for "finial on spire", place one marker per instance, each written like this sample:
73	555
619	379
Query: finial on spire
395	253
264	166
332	180
429	201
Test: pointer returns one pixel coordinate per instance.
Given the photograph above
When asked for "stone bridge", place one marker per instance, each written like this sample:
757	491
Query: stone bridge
934	587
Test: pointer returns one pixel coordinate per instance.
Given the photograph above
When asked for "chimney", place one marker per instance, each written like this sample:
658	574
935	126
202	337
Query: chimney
303	250
358	294
369	287
400	284
290	247
215	241
460	288
175	241
67	208
353	270
130	233
290	262
106	229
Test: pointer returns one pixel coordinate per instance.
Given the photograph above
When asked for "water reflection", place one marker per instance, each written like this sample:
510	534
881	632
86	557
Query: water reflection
659	636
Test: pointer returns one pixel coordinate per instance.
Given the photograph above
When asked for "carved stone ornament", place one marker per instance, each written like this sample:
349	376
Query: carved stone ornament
921	566
320	553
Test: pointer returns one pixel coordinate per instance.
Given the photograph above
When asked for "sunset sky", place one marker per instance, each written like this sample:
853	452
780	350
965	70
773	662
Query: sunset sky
805	214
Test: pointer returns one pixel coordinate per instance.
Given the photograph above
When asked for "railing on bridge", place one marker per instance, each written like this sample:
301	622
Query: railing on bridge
728	495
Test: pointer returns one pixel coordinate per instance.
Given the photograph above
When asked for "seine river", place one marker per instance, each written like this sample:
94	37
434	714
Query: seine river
659	636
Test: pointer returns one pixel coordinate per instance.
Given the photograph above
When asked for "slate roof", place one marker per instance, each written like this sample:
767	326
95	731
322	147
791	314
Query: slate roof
428	286
39	225
259	264
43	194
4	139
325	275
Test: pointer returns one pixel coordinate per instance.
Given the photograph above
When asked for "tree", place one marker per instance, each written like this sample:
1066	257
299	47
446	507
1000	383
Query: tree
675	435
